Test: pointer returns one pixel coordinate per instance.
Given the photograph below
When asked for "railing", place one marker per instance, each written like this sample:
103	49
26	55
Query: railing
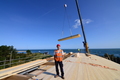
13	62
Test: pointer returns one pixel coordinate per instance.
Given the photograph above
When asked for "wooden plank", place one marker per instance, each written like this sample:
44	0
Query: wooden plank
17	69
17	77
111	72
95	75
70	37
80	74
81	69
106	73
85	73
41	76
51	70
97	71
66	68
70	69
74	74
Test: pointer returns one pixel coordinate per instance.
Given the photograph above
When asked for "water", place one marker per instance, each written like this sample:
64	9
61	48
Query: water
99	52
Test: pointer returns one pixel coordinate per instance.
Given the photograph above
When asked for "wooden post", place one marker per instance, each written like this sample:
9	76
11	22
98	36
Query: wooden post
4	63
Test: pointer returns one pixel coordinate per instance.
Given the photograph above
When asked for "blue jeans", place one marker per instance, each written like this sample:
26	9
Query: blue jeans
61	67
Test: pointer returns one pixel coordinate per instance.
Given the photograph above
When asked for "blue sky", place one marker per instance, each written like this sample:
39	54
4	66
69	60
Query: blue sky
38	24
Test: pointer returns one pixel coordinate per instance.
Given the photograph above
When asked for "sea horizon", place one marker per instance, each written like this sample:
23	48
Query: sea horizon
67	48
99	52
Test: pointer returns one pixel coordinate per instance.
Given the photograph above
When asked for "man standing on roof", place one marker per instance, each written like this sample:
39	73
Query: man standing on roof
58	57
79	50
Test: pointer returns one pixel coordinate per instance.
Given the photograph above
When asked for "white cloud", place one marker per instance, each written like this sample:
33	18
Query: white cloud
77	23
85	21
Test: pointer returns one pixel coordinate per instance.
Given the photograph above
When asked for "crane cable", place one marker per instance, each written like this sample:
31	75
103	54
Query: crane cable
65	14
63	24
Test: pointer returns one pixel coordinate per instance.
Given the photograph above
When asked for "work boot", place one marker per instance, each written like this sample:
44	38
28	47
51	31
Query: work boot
63	77
56	76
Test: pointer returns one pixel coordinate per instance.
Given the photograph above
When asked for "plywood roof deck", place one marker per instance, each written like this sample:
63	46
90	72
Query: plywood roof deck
20	68
85	68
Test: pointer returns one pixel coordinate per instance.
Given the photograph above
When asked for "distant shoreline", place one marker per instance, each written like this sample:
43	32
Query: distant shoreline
66	49
21	51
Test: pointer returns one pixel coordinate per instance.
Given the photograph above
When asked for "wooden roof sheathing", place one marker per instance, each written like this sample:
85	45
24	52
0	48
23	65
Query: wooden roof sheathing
85	68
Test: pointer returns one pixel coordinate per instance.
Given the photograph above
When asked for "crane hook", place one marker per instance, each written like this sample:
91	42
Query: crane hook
65	5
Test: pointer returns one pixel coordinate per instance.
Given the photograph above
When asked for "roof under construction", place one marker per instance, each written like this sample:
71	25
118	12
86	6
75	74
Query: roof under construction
79	66
85	68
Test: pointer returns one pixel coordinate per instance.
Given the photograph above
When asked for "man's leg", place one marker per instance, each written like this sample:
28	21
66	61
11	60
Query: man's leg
61	68
56	67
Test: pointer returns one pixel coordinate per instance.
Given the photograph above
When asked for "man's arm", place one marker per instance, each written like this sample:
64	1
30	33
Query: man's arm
54	56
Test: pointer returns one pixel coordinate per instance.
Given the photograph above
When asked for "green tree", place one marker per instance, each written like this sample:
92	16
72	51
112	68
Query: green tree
7	50
118	60
105	55
112	57
28	52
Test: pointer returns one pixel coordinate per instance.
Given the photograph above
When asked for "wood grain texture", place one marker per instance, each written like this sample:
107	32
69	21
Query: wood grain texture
86	68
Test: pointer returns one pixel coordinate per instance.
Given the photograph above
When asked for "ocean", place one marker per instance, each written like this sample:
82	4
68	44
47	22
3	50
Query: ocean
99	52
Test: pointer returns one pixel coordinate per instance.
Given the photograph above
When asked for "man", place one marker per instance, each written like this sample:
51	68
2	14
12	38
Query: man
58	57
79	50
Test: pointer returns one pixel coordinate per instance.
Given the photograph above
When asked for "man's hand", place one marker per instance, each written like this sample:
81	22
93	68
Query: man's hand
63	56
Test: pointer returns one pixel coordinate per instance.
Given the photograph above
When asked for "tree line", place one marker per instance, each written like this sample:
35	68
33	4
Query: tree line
112	57
8	53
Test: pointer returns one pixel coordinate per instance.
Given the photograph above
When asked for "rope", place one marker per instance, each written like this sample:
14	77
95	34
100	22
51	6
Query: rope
63	21
63	24
66	15
68	21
